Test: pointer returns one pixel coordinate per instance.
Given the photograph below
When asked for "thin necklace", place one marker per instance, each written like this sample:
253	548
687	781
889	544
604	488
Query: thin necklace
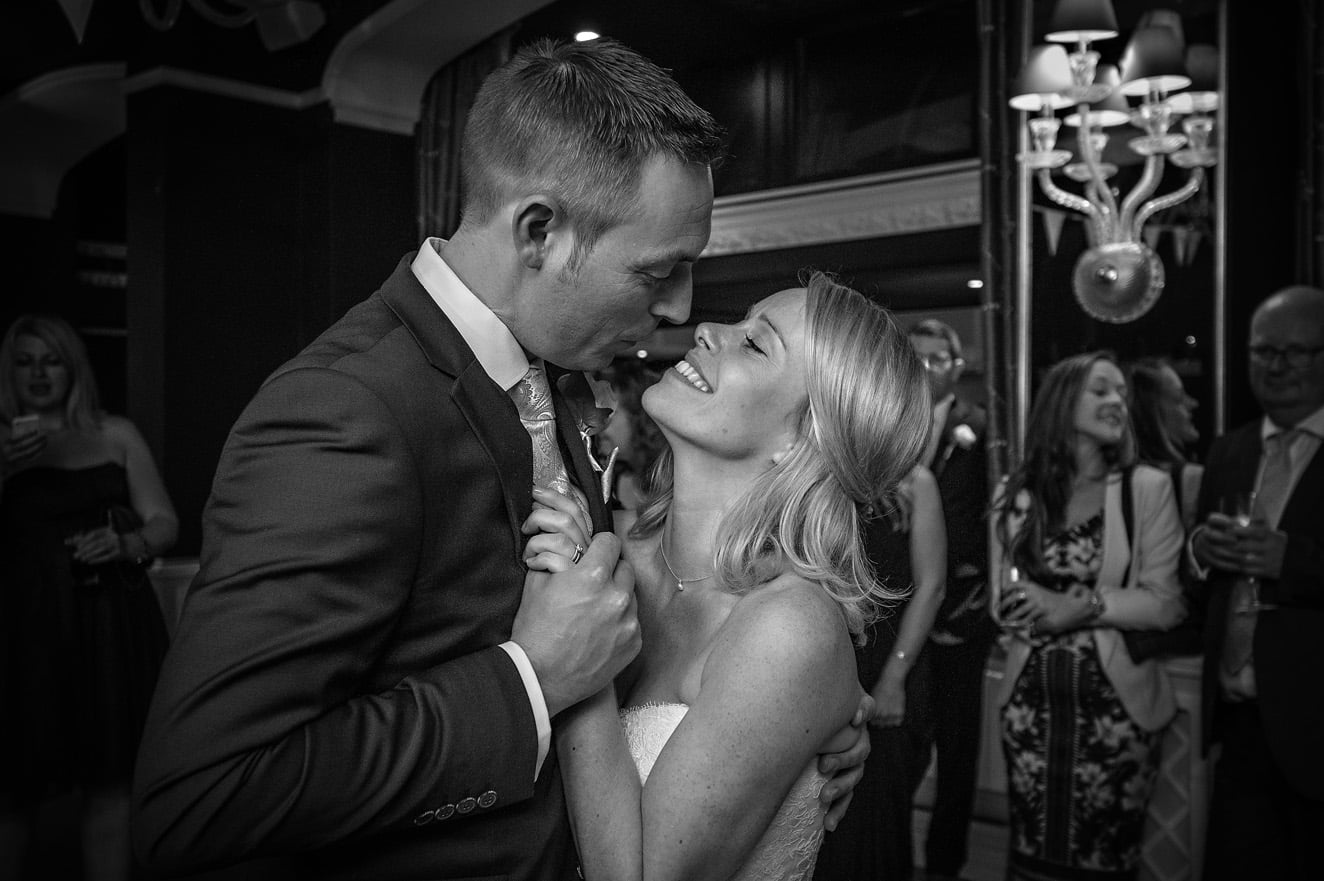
680	582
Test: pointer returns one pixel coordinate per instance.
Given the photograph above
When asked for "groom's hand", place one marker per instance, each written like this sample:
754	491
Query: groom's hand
847	763
578	626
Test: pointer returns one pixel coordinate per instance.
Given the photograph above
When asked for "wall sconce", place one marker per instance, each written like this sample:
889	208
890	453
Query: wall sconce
1119	278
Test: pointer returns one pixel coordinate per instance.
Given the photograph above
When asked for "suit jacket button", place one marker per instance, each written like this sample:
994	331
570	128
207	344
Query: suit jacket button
424	818
487	799
445	812
466	805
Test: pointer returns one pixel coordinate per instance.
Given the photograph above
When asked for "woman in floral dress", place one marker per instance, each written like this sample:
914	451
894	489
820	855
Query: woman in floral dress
1082	722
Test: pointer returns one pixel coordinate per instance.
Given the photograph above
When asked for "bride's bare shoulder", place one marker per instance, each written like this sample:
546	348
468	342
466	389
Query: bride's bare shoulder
786	637
795	615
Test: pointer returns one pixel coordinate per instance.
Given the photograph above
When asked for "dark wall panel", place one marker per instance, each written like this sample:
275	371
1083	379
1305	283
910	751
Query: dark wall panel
251	228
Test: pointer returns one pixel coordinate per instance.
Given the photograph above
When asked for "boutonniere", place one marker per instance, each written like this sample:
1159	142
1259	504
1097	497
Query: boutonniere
591	402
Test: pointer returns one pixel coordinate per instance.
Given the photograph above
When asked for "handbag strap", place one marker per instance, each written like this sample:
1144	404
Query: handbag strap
1129	519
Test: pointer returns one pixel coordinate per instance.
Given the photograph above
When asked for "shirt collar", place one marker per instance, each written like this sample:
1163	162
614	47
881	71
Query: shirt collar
1312	424
500	354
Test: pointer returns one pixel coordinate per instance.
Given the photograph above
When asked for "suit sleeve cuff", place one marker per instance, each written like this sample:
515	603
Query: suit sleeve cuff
541	720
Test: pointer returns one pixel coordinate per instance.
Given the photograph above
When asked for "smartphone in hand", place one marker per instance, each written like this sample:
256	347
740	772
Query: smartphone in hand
22	426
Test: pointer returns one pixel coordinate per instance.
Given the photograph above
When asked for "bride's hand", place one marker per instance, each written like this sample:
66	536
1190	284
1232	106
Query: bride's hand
559	532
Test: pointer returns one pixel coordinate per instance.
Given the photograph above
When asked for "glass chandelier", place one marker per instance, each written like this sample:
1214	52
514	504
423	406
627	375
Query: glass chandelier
1119	277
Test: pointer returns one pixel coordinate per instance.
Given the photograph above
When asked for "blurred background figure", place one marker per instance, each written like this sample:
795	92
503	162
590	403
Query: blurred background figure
907	546
1161	413
632	431
82	512
1082	723
1260	537
964	632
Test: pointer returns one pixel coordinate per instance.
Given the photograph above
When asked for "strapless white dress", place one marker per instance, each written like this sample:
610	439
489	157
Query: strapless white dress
788	849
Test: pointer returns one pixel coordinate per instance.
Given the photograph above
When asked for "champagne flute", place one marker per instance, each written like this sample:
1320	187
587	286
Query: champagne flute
1013	574
1241	508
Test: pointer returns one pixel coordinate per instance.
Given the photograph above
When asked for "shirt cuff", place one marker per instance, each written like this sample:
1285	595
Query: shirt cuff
541	720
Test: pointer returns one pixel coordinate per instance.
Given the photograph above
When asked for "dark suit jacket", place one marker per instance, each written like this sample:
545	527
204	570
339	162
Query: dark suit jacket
1288	650
335	690
962	475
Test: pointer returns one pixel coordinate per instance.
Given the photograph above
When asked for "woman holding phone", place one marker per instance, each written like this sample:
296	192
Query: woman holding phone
82	511
1081	722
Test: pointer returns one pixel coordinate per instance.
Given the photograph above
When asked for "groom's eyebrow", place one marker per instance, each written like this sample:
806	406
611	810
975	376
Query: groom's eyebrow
666	258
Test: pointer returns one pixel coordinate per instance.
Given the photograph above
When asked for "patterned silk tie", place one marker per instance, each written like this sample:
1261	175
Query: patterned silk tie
533	399
1269	503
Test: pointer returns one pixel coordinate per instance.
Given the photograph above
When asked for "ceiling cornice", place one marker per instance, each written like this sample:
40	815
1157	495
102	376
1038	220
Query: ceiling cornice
376	76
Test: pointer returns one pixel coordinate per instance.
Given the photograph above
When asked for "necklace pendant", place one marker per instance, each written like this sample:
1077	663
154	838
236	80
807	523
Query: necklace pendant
680	585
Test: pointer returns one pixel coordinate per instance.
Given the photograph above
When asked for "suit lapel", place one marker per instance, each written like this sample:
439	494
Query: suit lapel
494	421
489	411
1251	448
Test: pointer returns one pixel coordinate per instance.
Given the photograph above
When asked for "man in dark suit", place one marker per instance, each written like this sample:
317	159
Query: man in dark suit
1263	654
364	675
963	631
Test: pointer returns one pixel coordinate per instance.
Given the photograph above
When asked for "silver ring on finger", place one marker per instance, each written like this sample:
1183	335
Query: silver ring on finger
579	553
1021	594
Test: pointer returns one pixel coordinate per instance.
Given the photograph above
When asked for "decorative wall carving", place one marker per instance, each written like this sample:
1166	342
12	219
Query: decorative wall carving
893	203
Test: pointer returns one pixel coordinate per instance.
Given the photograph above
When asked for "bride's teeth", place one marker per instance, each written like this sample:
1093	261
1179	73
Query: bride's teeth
692	376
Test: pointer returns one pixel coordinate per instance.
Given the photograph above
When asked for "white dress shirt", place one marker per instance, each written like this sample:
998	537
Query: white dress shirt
1309	432
503	359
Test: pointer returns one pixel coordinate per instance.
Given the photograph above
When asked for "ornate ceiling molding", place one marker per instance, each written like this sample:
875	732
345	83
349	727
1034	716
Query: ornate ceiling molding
224	87
376	76
893	203
63	117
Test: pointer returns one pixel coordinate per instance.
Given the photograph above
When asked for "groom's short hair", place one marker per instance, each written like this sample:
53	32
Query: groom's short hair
578	121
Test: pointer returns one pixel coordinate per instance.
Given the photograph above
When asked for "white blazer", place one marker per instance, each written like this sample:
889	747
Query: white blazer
1150	599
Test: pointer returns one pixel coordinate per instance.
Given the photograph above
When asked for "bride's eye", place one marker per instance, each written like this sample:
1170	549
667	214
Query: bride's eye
749	341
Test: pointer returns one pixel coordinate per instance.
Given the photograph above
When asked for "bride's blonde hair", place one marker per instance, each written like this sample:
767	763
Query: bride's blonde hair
863	428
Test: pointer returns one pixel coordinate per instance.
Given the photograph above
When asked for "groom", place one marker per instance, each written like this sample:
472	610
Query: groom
364	675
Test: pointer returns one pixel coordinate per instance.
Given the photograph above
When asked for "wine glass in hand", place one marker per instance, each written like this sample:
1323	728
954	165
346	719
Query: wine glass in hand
1241	507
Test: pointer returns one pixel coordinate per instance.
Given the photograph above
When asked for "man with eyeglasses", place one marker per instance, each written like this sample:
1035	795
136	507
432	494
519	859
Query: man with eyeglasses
1264	607
963	632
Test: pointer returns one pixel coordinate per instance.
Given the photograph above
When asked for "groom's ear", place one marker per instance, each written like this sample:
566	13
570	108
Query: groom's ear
537	225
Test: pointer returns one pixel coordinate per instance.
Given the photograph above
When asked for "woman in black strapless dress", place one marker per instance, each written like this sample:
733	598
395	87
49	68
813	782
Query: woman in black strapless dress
82	511
908	547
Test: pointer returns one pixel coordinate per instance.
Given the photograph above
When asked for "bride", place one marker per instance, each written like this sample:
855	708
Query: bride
751	579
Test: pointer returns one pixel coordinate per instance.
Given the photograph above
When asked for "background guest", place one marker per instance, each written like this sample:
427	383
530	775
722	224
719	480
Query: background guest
82	510
1081	723
1261	700
907	547
963	633
1161	414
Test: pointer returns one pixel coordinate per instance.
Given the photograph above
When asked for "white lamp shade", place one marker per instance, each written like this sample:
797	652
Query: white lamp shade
1153	61
1045	75
1074	21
